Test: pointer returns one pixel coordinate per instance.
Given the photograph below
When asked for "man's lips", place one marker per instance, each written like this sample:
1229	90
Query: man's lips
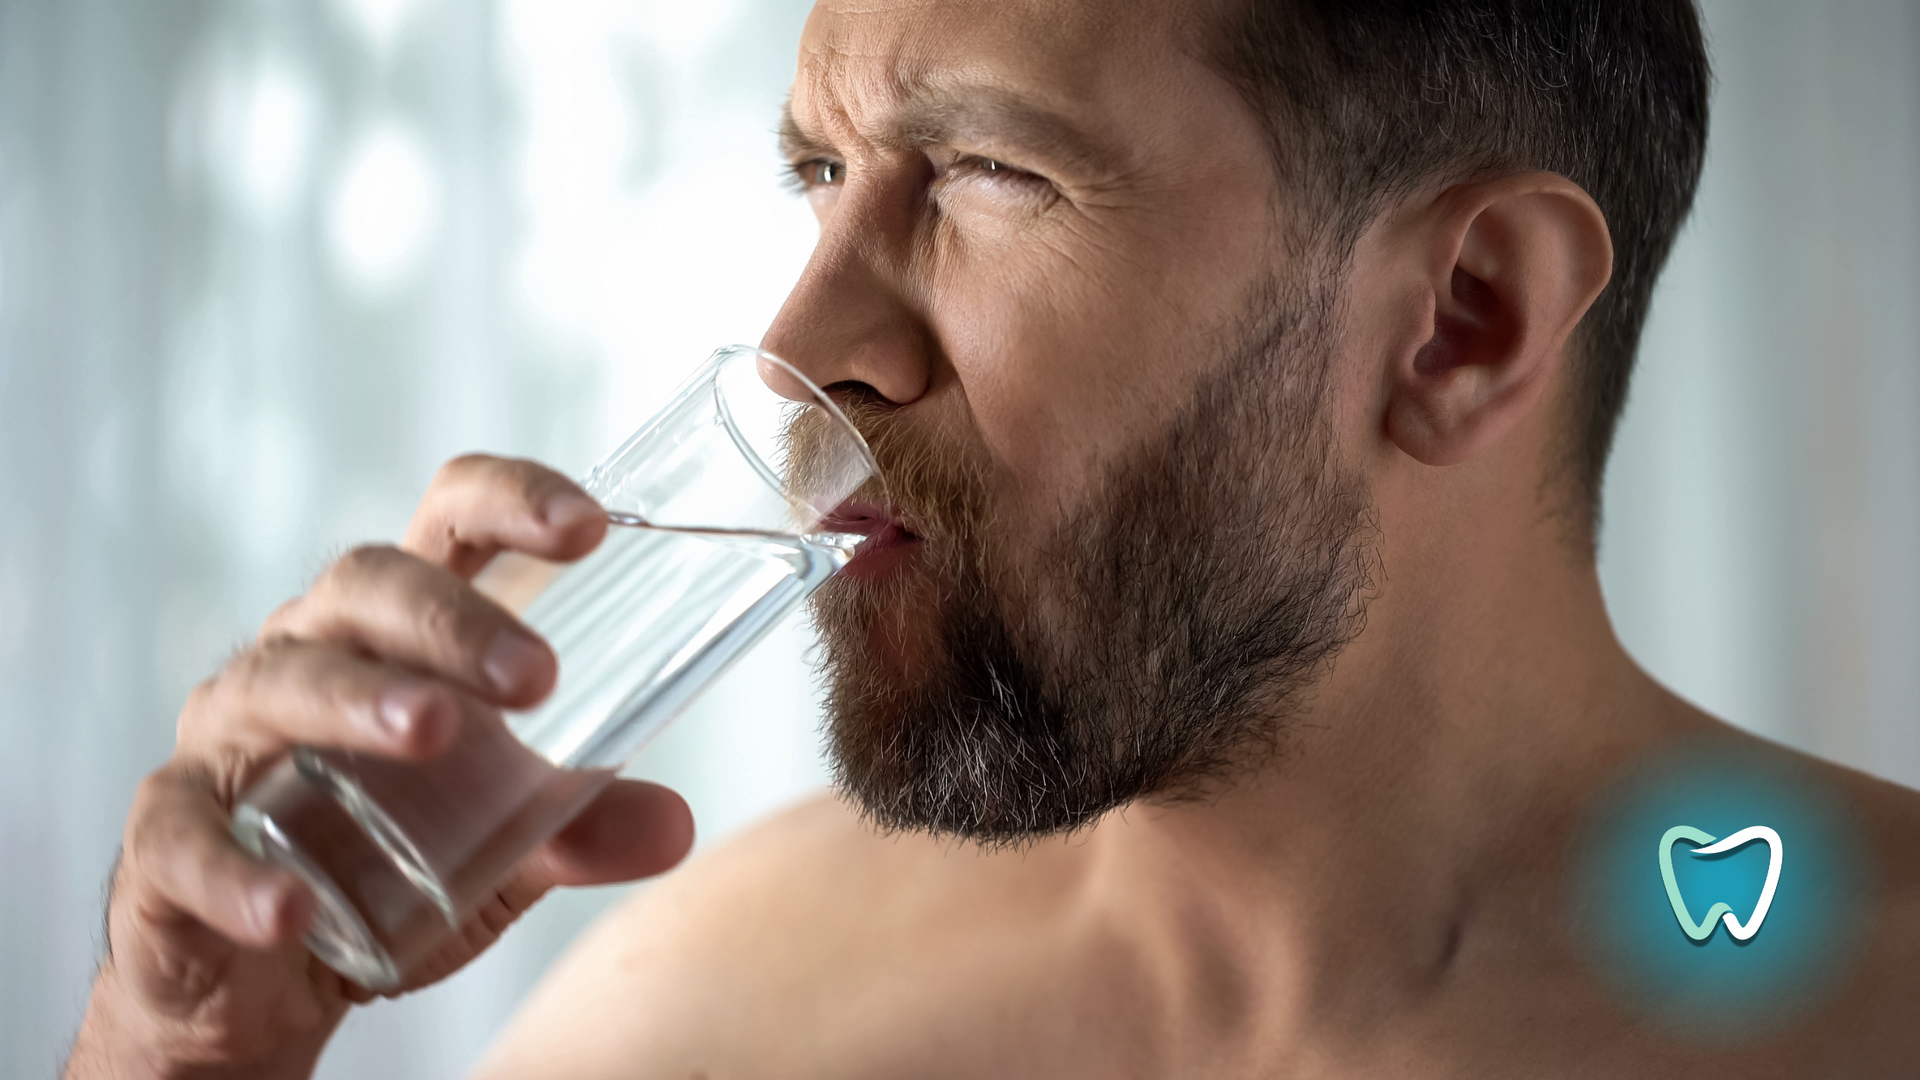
889	539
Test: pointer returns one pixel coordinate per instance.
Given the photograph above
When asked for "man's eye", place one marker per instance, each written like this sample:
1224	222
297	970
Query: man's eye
988	165
999	172
806	176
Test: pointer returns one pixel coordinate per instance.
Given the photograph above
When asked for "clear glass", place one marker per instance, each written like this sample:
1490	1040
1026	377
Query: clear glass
721	511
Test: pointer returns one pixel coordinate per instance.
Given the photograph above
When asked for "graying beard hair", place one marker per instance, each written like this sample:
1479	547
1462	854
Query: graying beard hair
1178	646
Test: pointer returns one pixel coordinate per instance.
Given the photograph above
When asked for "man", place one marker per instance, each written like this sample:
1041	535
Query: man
1230	683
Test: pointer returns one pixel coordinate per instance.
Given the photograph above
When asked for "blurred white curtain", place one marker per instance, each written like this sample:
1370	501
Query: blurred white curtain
265	263
1761	552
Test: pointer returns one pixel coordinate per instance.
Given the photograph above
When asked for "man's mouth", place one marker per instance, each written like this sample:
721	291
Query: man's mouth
890	539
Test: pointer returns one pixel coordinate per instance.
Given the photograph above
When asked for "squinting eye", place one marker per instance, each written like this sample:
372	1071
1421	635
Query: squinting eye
1003	184
1000	172
988	165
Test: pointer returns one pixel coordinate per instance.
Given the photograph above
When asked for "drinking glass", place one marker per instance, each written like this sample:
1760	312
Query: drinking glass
722	520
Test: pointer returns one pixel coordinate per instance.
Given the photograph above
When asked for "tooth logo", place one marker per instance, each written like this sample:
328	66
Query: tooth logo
1700	931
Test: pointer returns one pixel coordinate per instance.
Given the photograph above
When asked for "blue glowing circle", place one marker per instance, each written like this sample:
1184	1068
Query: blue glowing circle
1718	987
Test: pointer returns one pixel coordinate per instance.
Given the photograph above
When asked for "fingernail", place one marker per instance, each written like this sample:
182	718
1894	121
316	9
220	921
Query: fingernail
513	663
566	509
403	707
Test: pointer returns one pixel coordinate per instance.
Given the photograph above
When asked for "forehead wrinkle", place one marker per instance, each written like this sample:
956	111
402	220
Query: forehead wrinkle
908	88
832	82
863	60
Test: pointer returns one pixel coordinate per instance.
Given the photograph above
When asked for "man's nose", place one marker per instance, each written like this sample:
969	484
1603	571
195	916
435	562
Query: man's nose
845	323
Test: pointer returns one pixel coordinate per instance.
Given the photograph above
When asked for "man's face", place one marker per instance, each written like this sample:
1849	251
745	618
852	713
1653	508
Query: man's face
1048	287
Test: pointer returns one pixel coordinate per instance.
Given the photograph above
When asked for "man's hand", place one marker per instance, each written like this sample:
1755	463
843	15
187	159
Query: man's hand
205	973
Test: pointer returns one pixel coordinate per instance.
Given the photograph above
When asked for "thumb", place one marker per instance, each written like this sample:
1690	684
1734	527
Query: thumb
633	829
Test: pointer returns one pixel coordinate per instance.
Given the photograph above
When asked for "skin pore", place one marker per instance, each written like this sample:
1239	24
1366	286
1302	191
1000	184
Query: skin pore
1038	220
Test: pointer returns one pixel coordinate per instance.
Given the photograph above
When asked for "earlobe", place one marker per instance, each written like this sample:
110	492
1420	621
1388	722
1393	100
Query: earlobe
1509	267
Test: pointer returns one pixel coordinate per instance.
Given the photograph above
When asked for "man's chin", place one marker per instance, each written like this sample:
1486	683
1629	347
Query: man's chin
884	633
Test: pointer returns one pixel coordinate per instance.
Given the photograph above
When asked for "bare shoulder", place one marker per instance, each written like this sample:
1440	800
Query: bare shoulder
668	962
776	941
1885	818
1890	816
1868	1020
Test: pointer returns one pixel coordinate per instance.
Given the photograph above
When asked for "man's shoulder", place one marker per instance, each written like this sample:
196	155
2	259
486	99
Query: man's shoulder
650	971
1882	817
1889	815
1875	1009
801	857
1885	817
772	939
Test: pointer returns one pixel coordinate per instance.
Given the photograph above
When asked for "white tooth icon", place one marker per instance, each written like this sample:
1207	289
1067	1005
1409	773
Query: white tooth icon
1700	931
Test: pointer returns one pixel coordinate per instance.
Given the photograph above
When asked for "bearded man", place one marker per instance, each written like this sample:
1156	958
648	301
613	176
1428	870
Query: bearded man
1225	687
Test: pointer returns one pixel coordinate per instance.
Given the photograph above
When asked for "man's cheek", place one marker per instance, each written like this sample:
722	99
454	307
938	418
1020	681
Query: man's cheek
1020	349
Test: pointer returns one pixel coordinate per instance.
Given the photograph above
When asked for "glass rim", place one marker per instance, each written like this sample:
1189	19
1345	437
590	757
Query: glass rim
820	398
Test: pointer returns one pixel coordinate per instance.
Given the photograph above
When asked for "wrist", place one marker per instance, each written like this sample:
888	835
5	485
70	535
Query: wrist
121	1039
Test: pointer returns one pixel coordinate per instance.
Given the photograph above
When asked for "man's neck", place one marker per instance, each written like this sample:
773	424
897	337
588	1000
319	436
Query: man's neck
1436	767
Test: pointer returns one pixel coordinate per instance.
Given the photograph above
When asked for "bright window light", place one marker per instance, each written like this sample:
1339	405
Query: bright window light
384	211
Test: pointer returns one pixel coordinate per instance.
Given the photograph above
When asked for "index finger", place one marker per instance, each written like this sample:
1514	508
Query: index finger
479	506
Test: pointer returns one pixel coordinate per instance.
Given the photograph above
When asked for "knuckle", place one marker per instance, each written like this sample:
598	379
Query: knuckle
282	617
332	580
219	695
518	476
200	701
359	569
460	468
446	619
200	698
227	771
148	822
145	794
230	715
531	479
363	562
243	673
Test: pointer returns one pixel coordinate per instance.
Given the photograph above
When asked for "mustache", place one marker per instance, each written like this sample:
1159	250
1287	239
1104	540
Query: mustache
934	480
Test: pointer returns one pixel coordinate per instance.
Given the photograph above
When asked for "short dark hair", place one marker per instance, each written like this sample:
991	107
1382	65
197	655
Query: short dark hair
1367	99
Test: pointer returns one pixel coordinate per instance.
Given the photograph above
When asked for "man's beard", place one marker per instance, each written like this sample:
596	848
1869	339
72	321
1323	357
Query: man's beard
1158	639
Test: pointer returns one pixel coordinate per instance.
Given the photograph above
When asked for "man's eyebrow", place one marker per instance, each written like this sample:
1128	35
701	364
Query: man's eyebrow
985	119
796	144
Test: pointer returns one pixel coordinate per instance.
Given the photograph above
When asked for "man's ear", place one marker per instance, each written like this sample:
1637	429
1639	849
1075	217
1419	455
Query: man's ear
1511	265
